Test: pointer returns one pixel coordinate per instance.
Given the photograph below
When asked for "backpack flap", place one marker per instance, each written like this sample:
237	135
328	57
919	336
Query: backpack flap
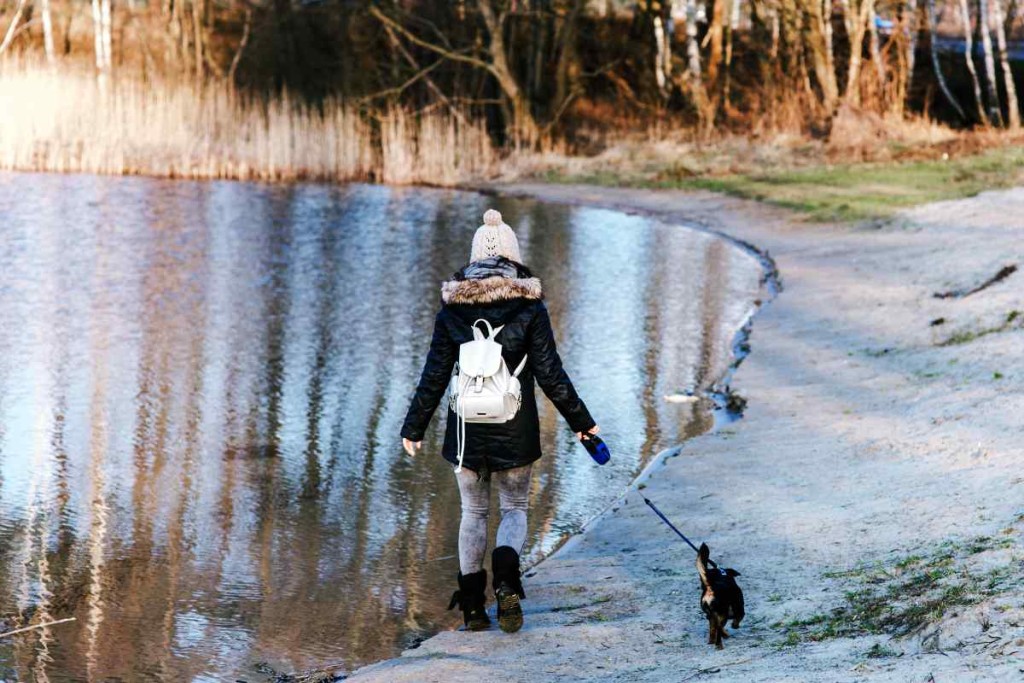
482	356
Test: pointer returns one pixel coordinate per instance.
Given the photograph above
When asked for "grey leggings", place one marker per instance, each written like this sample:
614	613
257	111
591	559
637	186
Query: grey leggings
513	497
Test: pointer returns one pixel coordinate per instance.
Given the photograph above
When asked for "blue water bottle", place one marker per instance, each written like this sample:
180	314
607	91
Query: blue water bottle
597	448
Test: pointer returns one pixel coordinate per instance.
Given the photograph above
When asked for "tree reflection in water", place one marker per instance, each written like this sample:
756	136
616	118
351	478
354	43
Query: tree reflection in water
201	388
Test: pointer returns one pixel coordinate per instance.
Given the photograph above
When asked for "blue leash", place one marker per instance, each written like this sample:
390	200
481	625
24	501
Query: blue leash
673	528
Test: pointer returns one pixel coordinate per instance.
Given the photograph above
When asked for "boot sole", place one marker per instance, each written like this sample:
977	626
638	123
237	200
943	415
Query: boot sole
480	625
510	617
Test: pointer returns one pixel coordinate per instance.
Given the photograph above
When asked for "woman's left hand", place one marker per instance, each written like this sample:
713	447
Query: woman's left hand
411	446
593	430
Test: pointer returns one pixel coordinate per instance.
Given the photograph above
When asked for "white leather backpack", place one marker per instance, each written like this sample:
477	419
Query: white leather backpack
482	390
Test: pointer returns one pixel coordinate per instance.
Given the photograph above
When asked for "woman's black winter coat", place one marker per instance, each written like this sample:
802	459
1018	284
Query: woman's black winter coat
502	292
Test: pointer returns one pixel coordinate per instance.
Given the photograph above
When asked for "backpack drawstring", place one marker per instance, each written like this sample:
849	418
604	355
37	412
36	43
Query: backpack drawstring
460	430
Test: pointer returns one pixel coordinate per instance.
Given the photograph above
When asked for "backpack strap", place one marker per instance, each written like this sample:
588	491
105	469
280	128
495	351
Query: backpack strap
522	364
516	311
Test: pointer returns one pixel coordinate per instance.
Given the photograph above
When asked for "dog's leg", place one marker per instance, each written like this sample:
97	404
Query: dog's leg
718	636
711	631
737	610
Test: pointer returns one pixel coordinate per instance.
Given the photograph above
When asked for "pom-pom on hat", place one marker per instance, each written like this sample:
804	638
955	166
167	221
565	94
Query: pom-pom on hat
494	238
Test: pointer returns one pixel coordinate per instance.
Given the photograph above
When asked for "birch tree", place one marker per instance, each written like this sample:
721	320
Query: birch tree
12	29
106	13
965	17
692	46
47	20
1012	106
990	66
662	49
101	14
936	66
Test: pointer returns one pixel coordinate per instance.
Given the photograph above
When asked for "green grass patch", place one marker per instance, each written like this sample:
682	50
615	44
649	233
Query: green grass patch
903	596
871	191
1012	321
841	192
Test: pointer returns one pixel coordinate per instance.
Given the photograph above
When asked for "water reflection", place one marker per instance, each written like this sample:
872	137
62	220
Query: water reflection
201	388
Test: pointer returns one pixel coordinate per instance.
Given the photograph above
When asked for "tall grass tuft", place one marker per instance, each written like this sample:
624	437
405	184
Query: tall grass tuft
73	122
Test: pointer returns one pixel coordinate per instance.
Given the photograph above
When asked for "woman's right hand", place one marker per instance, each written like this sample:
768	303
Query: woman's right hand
593	430
411	446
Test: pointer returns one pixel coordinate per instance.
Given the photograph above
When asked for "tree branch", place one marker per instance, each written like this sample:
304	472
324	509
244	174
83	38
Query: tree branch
437	49
399	89
241	45
423	73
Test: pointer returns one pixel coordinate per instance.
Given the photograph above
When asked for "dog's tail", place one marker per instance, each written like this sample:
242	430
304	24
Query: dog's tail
702	562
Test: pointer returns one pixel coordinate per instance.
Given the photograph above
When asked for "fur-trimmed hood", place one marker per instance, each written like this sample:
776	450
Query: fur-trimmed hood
490	280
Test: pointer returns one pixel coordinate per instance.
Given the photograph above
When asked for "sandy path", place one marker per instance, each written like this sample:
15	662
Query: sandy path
866	445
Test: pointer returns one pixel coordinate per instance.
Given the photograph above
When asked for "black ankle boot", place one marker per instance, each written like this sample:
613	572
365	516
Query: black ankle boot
508	588
470	598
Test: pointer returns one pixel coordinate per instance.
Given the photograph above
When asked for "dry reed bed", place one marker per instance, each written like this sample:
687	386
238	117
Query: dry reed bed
73	122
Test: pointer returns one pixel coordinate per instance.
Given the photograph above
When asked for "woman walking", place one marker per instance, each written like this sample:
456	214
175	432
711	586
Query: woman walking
497	288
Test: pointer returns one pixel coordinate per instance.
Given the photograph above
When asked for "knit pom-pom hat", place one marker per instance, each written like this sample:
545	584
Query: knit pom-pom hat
494	238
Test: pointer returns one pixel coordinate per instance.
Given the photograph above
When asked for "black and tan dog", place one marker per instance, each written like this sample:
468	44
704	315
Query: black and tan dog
720	597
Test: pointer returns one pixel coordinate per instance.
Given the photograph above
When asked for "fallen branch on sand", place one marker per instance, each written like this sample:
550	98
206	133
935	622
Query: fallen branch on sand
36	626
1004	272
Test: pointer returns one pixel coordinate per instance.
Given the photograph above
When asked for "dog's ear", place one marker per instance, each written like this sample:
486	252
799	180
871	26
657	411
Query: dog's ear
731	572
704	552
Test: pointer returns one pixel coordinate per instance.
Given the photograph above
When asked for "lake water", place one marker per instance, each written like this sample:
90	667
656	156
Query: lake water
201	390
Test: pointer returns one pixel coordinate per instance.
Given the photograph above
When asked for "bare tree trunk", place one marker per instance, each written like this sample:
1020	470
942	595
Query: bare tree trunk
108	52
12	30
776	33
692	46
180	34
994	108
524	126
97	35
731	26
819	44
876	51
912	29
542	29
567	74
1012	105
827	9
662	51
716	36
66	43
943	86
856	19
44	10
197	39
965	15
